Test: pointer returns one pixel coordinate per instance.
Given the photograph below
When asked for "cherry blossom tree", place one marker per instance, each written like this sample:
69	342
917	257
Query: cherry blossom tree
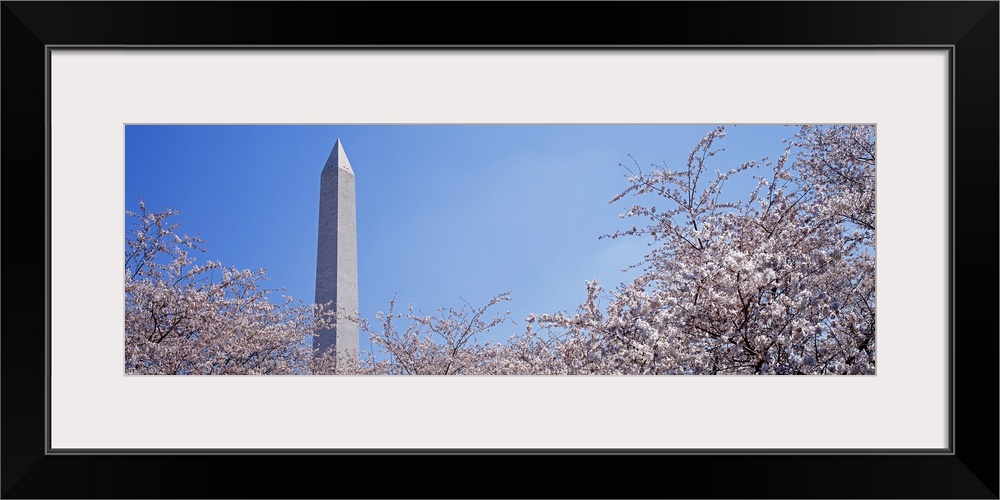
182	317
781	282
444	343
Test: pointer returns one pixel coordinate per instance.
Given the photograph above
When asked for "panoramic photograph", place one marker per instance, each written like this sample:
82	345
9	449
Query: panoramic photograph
535	249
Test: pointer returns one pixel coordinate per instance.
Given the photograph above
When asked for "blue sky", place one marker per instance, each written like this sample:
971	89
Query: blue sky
446	213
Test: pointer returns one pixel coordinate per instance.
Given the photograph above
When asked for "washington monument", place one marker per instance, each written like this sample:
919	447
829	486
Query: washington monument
337	255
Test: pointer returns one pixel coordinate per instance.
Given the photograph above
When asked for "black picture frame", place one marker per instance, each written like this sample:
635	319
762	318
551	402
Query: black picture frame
968	470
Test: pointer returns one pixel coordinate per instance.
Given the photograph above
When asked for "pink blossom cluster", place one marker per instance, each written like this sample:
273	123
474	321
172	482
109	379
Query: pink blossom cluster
186	318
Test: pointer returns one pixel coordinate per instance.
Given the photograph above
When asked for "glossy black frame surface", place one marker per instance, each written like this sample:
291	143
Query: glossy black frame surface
968	470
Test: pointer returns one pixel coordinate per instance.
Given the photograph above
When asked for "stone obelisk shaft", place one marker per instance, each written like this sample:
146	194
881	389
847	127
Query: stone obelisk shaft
337	255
